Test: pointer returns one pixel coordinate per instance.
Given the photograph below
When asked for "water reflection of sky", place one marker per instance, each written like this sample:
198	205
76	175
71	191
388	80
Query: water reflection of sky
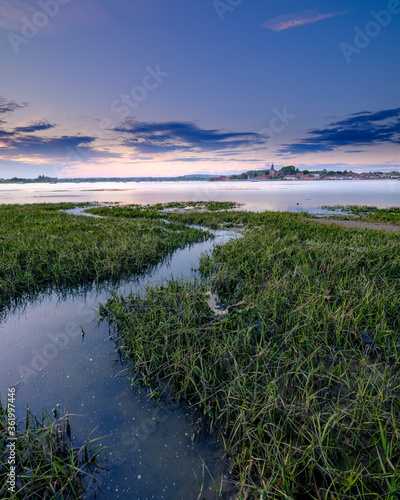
279	195
150	447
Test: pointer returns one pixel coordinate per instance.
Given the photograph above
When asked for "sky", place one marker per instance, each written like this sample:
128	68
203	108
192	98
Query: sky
164	88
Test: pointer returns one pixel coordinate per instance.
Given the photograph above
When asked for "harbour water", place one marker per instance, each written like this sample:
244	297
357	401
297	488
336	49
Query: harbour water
276	195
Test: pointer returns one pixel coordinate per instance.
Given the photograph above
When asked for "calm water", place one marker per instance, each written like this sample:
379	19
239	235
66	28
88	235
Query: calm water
153	450
280	195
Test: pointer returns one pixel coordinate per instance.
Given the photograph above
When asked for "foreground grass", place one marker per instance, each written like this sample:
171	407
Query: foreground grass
295	359
47	464
43	246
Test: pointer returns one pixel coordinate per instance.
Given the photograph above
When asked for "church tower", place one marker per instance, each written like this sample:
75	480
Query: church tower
272	171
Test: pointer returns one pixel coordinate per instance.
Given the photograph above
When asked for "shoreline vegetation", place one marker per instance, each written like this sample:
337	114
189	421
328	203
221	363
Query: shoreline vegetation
289	343
46	464
366	213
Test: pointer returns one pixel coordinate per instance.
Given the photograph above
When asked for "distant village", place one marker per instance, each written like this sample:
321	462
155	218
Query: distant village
291	173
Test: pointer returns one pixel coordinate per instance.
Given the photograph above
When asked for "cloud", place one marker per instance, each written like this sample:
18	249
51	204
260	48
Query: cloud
3	133
183	136
9	106
31	145
368	116
285	22
65	149
360	129
43	125
23	141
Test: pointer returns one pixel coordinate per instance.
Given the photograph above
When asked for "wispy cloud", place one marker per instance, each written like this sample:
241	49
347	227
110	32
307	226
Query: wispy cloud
360	129
4	133
41	147
150	138
285	22
63	149
26	141
34	127
9	106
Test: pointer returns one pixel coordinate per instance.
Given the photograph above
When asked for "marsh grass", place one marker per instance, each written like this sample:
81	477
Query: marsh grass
161	210
42	246
367	213
301	377
48	465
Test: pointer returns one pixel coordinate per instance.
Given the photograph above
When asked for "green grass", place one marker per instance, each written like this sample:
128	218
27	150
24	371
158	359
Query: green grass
47	464
161	210
296	362
220	215
368	213
300	373
41	246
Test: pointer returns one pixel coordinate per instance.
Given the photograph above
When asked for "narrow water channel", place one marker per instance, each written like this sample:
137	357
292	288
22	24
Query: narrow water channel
152	449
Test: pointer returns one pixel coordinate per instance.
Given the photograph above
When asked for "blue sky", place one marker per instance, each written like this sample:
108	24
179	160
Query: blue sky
149	87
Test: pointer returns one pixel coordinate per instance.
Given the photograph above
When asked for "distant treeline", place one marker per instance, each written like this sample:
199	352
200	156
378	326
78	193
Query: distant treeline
44	178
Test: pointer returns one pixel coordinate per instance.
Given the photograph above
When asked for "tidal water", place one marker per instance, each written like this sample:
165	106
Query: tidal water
153	450
279	195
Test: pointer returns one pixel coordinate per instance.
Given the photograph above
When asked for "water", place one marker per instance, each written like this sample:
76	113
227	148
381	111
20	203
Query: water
153	449
279	195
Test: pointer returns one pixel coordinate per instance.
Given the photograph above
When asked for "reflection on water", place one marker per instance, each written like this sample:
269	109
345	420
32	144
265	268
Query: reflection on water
164	269
58	356
279	195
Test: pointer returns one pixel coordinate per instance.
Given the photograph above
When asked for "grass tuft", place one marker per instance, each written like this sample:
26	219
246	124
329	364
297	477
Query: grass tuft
47	464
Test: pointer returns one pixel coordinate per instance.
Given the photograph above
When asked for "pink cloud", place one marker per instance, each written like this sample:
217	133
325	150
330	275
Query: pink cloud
285	22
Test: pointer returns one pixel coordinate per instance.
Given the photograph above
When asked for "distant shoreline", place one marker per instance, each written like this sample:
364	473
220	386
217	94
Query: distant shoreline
97	181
